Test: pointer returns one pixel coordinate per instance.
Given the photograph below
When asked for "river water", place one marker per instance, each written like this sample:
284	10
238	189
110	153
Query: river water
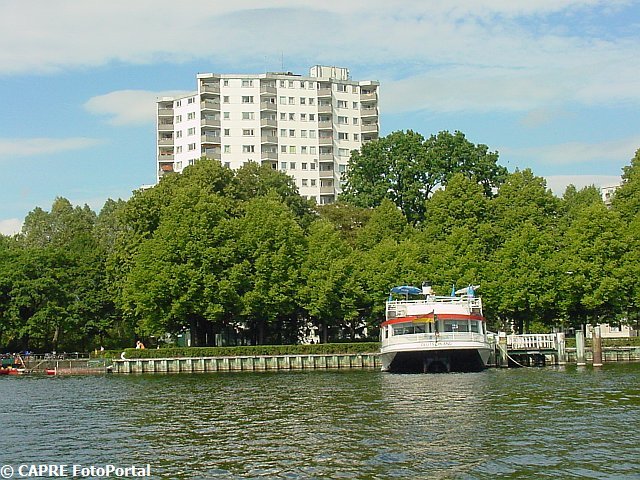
554	422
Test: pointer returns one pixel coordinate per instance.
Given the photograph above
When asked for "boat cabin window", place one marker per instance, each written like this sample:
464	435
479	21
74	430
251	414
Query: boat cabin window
475	326
456	326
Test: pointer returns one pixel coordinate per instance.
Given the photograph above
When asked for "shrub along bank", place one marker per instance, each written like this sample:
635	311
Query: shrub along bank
253	350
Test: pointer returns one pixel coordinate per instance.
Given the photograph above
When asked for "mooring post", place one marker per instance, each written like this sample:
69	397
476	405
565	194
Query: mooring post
502	347
562	353
580	348
597	347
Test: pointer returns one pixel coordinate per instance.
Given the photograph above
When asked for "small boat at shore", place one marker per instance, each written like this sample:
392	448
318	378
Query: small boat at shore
426	333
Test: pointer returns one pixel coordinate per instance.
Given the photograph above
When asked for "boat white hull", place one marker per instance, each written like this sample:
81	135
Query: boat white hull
443	358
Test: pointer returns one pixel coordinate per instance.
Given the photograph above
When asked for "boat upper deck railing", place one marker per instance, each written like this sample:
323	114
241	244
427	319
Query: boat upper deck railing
397	308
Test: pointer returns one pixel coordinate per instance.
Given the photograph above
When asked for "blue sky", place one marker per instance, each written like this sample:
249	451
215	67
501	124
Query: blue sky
552	85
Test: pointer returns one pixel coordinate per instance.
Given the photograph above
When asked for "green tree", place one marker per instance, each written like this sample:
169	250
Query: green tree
405	168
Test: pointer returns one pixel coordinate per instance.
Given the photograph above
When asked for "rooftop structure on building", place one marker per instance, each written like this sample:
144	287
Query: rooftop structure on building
607	193
305	126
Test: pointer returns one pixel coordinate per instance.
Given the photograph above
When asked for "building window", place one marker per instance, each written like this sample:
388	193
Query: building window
283	100
227	132
341	88
292	133
227	164
313	182
178	118
342	120
356	137
283	132
178	103
304	166
312	117
292	101
179	149
248	116
342	168
225	83
282	83
191	100
292	149
248	149
343	152
292	165
311	101
283	165
355	120
283	148
312	85
191	115
312	151
342	104
192	146
247	83
301	83
303	133
313	166
303	150
227	149
225	99
290	83
225	115
343	136
292	116
247	132
303	117
355	105
312	134
303	101
179	134
191	131
304	181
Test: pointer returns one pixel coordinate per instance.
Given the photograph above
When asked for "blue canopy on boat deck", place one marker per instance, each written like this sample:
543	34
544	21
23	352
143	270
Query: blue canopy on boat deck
406	290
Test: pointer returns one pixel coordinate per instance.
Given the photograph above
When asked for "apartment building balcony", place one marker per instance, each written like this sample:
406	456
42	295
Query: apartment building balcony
268	90
325	125
210	122
212	153
167	141
165	157
325	140
269	155
327	190
369	128
366	112
325	157
324	92
268	122
210	105
210	139
269	139
165	112
325	108
368	96
326	173
268	106
165	168
165	127
210	88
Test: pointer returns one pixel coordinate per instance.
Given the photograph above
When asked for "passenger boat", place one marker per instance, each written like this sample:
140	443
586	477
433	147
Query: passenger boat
424	332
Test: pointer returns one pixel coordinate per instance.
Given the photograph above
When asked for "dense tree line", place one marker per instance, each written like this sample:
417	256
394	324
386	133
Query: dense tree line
239	256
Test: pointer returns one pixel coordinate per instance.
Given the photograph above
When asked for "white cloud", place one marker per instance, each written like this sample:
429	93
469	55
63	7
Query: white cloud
443	56
558	183
575	153
128	107
10	226
26	147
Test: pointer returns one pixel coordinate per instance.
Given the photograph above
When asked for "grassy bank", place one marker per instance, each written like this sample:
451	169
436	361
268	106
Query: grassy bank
316	349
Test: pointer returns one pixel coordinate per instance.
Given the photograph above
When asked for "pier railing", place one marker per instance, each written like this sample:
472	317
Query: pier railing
533	342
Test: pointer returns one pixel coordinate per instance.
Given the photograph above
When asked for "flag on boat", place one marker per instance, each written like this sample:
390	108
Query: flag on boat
453	290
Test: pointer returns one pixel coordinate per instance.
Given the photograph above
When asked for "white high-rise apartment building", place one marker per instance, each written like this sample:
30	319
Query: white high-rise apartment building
304	126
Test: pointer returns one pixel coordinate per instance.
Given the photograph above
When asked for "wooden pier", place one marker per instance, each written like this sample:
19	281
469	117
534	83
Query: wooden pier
247	363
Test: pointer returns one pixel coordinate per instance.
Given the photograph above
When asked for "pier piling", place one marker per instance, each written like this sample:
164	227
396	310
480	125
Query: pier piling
597	347
580	358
